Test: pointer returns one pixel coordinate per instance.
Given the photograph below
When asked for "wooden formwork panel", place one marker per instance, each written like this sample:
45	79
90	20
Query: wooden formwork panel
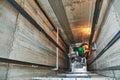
27	29
63	63
33	10
52	60
61	54
28	45
62	45
21	40
21	72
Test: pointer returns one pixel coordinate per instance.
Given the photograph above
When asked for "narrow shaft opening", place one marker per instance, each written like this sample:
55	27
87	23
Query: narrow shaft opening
59	39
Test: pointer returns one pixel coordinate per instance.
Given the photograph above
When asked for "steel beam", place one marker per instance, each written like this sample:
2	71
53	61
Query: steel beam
98	6
60	13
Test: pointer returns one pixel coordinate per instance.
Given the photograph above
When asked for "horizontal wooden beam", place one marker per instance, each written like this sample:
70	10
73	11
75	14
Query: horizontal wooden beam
23	63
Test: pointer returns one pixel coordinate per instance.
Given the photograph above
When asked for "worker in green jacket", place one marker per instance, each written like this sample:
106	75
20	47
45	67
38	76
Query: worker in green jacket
80	51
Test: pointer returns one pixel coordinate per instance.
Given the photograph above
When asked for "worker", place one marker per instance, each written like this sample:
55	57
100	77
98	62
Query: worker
80	51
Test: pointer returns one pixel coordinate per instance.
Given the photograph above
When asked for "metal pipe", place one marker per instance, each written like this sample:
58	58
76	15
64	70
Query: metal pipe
57	51
57	63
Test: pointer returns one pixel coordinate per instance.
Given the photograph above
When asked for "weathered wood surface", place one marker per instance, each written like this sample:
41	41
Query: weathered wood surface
20	40
110	58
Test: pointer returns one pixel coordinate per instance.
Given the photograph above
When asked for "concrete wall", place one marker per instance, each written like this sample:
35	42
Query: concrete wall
23	72
111	57
21	41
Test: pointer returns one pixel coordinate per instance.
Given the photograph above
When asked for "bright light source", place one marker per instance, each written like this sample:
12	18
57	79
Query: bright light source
85	31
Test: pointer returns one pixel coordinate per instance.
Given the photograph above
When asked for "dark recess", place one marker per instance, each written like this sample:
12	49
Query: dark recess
98	6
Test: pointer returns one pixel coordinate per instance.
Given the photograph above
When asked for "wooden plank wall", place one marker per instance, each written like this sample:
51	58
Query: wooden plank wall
110	58
21	41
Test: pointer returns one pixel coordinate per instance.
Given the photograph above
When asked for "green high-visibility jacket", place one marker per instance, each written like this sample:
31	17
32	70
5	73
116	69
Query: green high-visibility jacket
80	49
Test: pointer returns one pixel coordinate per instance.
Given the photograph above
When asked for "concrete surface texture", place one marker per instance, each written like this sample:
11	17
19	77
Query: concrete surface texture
27	52
110	58
21	41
